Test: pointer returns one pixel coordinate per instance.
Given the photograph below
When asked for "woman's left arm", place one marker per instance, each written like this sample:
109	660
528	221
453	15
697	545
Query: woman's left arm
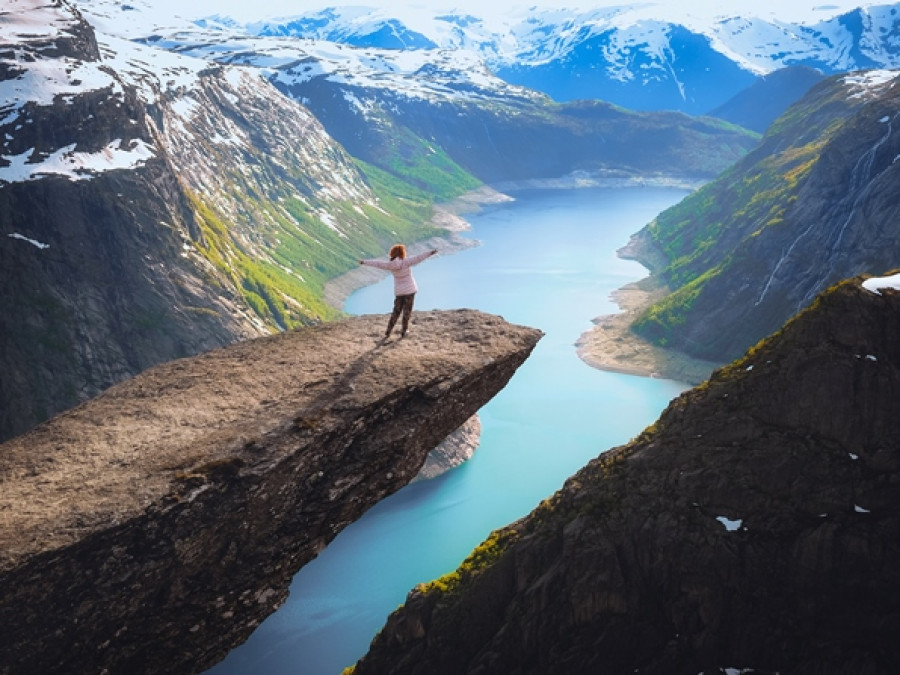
416	259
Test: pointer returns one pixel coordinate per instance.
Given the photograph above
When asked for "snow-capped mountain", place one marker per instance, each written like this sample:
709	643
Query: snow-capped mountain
153	205
155	202
643	56
438	100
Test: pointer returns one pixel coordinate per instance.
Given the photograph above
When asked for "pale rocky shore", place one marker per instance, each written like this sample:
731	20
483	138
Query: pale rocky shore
611	344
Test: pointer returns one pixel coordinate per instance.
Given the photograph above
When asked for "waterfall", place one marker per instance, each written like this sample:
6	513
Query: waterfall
861	181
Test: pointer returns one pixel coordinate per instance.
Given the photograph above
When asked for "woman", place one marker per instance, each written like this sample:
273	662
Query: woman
404	285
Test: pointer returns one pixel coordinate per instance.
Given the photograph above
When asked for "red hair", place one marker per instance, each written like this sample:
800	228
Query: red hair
398	251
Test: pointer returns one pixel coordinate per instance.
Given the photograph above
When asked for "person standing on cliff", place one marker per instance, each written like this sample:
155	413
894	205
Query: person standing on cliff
405	287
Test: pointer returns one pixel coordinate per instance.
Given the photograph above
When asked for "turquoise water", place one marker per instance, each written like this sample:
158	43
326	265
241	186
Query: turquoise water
547	260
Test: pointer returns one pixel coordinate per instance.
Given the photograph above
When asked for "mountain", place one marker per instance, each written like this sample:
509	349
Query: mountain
155	206
412	113
165	198
649	66
195	491
755	527
641	56
760	104
810	206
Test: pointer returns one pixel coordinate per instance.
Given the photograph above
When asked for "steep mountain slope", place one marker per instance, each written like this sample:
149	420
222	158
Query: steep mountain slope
813	204
154	207
755	526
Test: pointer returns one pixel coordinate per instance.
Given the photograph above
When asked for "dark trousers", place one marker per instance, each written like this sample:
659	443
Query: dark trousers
402	304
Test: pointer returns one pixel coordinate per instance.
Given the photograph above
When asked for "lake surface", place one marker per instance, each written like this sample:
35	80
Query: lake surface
546	260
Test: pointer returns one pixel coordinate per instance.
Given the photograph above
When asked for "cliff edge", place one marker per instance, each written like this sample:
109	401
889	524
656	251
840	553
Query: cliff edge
151	529
754	527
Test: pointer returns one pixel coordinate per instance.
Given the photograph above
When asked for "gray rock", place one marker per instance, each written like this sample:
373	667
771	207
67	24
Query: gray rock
457	448
755	526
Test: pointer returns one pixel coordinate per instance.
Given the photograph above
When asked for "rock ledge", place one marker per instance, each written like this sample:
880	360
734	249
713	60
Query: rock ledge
153	527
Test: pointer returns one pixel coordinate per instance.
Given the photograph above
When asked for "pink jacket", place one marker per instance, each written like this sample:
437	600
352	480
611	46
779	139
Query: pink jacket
404	284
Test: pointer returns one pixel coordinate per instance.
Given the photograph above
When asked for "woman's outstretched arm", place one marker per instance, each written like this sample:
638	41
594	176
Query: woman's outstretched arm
380	264
416	259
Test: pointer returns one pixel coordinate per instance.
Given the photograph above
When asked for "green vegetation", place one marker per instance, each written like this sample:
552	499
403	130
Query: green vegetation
659	321
280	268
426	166
701	234
280	297
480	559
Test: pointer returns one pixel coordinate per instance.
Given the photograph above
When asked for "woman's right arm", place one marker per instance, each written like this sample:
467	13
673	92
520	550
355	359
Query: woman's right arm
380	264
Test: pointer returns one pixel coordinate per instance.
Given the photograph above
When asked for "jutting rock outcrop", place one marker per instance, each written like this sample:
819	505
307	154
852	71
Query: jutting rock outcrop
150	529
755	526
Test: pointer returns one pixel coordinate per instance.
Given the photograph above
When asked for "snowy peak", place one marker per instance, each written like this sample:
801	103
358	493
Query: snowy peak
691	61
352	26
47	28
51	61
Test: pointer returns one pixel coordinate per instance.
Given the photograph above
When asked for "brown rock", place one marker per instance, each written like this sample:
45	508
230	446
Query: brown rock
153	527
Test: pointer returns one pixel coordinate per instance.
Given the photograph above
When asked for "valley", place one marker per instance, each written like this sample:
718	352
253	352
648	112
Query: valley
176	181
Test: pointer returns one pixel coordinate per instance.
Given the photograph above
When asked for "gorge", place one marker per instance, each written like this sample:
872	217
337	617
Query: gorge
158	202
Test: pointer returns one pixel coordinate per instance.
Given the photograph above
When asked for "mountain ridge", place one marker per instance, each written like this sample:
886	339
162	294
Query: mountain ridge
640	56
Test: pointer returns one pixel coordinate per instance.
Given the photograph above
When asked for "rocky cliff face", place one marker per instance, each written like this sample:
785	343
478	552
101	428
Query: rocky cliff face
755	526
152	528
810	206
155	206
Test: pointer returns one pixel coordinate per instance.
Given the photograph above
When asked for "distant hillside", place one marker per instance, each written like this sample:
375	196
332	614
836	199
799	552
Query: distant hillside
641	55
654	66
816	202
765	100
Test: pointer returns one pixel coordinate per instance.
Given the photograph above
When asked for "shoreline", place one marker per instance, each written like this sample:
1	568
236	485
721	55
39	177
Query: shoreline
448	216
611	345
